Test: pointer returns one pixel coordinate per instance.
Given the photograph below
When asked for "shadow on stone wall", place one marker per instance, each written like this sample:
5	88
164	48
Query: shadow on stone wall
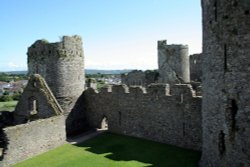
3	144
6	119
76	121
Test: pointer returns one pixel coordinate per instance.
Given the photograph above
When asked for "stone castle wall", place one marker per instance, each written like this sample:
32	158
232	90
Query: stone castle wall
169	115
173	118
195	67
27	140
226	88
173	63
140	78
62	66
135	77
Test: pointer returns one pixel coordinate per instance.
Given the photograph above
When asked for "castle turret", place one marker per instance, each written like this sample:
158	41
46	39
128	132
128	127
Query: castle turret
62	66
173	63
195	67
226	78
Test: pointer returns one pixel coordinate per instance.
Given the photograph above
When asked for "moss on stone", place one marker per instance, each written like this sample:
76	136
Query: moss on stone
44	41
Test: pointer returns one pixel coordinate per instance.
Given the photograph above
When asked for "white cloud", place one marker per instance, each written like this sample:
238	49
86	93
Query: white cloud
13	66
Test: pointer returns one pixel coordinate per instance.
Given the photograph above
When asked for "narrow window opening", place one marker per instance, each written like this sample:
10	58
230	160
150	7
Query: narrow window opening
246	12
33	106
120	118
181	98
225	58
221	143
234	110
231	112
215	10
183	129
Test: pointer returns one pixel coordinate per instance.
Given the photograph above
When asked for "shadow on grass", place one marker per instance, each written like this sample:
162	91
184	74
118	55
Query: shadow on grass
124	148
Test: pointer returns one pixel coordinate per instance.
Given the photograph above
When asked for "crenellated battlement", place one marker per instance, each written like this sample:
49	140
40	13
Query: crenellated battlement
153	89
68	47
160	112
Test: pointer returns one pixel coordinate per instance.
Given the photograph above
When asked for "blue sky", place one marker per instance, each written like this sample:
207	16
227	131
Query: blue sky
117	34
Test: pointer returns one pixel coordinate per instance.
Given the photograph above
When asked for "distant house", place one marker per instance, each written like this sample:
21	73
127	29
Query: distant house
1	91
14	90
18	86
140	78
12	87
21	83
4	85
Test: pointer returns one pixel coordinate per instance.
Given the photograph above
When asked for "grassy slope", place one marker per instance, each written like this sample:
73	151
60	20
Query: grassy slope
8	106
109	150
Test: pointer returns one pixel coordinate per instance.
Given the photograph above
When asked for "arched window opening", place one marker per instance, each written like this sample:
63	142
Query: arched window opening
104	123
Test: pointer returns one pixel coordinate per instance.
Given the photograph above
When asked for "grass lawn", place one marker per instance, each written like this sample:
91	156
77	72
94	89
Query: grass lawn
110	150
8	105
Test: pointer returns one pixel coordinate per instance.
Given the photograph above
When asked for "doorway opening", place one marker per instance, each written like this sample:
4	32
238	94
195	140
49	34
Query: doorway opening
104	123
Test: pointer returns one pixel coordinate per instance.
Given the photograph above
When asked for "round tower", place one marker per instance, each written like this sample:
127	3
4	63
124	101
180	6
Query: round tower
173	63
62	66
226	78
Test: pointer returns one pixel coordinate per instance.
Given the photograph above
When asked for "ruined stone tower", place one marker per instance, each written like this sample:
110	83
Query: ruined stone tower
173	63
226	88
195	67
62	66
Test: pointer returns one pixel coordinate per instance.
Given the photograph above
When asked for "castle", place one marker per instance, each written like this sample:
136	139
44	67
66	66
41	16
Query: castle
171	111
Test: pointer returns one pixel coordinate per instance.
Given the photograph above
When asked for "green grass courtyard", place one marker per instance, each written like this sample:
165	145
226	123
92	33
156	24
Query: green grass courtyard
110	150
8	106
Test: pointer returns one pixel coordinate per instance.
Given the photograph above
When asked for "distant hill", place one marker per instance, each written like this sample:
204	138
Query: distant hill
87	71
94	71
14	72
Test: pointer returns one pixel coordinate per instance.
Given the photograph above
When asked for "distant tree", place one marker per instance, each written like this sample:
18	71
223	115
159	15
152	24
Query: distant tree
100	84
9	77
5	98
6	93
16	96
4	77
